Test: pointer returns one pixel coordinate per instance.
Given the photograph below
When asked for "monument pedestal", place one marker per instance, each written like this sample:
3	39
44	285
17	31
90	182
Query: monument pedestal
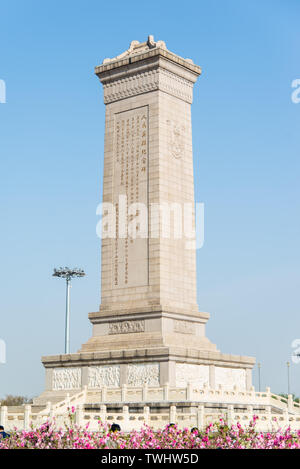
153	348
148	330
154	366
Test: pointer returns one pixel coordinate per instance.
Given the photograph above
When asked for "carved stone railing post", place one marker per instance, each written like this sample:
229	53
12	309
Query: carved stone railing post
286	417
3	416
250	412
172	414
126	422
290	403
104	394
103	413
147	415
230	415
200	417
79	414
27	413
269	417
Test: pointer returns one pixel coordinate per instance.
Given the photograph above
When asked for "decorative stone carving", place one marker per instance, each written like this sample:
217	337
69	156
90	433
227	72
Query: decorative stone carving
176	138
184	327
126	327
66	379
137	47
230	377
130	86
100	376
197	375
143	373
175	85
144	82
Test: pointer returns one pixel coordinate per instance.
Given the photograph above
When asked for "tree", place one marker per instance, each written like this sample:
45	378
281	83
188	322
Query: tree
11	400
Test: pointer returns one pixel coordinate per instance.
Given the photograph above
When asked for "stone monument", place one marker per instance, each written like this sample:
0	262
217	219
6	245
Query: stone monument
148	330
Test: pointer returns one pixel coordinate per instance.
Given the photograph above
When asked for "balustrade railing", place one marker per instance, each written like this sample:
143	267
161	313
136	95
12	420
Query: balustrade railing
231	404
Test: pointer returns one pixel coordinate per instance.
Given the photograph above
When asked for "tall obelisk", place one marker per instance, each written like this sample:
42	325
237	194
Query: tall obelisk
148	160
148	330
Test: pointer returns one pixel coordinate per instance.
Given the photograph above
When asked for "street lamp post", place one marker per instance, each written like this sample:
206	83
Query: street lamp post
288	376
259	367
68	274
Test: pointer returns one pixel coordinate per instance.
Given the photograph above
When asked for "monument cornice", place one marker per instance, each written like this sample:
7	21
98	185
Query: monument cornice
99	317
180	354
145	56
155	72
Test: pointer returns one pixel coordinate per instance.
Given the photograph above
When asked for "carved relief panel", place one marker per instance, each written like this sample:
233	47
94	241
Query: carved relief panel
100	376
197	375
66	379
143	373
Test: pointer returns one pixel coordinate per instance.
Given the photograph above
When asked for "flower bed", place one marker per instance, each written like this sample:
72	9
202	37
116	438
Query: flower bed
218	435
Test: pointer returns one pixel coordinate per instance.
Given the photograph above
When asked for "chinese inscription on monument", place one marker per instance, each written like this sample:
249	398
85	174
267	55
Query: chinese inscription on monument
130	180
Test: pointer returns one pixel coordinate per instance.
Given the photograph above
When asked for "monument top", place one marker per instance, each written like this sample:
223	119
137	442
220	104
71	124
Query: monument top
143	50
137	47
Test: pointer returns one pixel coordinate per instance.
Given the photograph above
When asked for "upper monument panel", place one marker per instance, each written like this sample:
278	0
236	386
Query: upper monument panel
139	51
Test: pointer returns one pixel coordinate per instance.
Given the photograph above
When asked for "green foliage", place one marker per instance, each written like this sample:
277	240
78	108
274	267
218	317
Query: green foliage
295	399
11	400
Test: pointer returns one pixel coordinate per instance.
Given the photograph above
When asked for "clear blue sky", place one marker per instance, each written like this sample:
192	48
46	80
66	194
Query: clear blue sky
246	158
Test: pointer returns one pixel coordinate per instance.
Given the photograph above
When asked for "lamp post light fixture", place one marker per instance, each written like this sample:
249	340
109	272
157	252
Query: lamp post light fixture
68	274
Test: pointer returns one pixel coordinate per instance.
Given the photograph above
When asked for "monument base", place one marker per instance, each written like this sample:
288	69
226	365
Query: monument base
154	347
175	365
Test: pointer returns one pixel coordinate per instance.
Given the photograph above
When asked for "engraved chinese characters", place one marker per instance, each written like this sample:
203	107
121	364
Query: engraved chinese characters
125	327
130	197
